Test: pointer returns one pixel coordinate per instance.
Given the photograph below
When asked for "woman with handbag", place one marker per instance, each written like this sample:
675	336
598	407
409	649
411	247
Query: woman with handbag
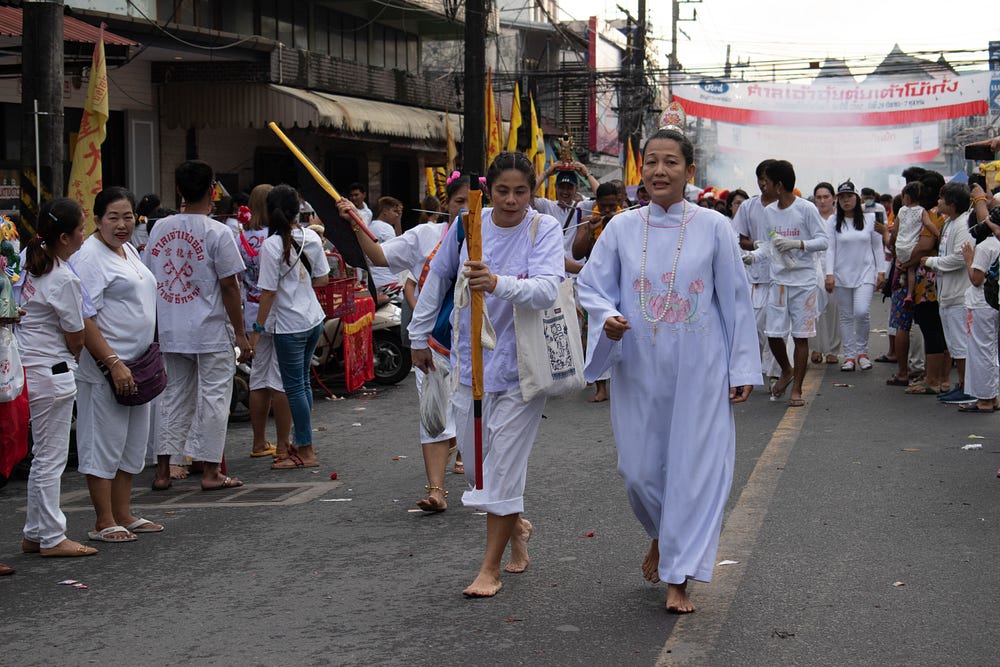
522	267
50	337
292	262
671	315
111	436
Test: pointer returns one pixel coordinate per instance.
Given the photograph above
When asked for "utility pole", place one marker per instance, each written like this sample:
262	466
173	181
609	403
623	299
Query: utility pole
41	106
675	18
474	134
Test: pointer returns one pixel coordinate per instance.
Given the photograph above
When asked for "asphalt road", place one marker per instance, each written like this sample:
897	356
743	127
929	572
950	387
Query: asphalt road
832	505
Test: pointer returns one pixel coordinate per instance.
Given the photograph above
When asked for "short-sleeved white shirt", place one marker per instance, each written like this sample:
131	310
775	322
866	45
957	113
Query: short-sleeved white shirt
383	231
749	222
583	212
189	254
987	252
52	308
124	294
409	251
295	308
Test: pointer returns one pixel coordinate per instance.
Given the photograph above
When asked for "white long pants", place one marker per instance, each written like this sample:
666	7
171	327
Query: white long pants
855	305
981	369
50	400
194	408
758	296
509	428
828	339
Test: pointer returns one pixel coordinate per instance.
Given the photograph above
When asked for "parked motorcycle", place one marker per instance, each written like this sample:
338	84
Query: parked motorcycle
391	360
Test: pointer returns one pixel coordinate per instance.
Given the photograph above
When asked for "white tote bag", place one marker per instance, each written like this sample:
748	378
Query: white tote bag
549	347
11	371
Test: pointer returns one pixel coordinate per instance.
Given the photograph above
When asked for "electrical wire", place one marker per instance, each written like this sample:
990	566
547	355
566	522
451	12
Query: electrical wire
184	41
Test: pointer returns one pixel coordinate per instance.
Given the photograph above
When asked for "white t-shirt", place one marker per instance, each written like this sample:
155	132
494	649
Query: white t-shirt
854	256
583	212
801	221
383	231
189	254
296	307
987	252
409	251
909	224
749	222
124	294
52	307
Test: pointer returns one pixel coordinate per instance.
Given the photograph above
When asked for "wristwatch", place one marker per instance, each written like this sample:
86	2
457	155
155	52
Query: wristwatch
258	328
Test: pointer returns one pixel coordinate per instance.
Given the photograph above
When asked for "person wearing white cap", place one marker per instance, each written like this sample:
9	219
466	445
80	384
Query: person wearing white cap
855	267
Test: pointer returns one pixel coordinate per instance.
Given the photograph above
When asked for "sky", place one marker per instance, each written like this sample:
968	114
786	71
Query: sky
769	30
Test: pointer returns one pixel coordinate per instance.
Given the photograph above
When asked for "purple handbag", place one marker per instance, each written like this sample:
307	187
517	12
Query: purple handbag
149	376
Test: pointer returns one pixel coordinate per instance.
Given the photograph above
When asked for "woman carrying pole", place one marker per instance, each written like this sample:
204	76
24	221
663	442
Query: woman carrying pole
515	270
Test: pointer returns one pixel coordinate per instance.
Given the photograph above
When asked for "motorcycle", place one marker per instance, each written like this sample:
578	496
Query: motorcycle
391	359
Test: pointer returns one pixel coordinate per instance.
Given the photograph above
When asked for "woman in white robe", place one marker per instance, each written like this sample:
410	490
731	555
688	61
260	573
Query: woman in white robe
678	362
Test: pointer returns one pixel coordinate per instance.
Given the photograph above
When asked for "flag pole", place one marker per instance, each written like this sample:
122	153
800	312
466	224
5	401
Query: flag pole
474	243
319	177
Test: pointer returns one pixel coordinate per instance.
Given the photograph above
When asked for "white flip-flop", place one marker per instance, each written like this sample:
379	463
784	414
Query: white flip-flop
102	535
141	526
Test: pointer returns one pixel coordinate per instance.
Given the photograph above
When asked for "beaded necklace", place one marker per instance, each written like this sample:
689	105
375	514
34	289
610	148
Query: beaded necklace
673	271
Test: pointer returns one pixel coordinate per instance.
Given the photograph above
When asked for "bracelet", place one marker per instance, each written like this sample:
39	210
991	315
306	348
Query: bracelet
802	244
110	356
976	200
117	361
356	228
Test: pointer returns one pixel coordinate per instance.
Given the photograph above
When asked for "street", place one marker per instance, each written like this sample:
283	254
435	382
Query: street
862	533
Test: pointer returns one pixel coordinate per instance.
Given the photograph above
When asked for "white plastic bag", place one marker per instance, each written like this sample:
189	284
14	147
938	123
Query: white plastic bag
11	371
549	346
435	395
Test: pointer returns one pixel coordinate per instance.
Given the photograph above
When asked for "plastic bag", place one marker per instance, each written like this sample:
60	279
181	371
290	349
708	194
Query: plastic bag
435	395
11	371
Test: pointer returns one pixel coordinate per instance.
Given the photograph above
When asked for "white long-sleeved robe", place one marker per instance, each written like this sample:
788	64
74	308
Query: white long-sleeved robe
670	410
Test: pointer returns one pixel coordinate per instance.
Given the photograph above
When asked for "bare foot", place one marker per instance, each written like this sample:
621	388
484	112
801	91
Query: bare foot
178	472
651	563
519	547
782	384
601	394
484	586
161	484
435	500
220	481
678	601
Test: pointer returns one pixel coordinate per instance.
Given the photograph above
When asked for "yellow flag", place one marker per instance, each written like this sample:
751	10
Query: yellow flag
450	150
494	145
550	189
631	175
515	119
86	175
533	144
431	189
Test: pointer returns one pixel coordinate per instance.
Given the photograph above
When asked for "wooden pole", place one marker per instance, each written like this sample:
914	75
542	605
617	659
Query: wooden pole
474	242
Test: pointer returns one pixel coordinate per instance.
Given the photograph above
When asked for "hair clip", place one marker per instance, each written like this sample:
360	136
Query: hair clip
455	174
243	215
482	181
53	216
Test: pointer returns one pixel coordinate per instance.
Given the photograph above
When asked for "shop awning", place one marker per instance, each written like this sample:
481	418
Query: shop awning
74	30
253	105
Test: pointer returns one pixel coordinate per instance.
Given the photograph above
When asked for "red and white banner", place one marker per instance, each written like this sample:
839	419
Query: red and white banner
847	104
863	147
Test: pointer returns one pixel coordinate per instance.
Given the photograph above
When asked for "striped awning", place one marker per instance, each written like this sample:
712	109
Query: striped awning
254	105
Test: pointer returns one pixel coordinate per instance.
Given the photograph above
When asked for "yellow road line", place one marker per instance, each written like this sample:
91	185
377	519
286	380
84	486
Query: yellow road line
694	636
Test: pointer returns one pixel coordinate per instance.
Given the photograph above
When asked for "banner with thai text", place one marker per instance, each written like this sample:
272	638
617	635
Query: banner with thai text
840	104
868	147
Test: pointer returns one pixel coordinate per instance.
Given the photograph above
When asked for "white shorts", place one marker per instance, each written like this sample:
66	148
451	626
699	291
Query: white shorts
956	330
264	373
791	310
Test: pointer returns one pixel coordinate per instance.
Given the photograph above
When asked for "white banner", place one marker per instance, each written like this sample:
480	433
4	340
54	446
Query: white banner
860	146
842	104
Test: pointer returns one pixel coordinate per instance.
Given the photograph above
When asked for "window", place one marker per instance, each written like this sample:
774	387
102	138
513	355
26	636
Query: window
376	52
